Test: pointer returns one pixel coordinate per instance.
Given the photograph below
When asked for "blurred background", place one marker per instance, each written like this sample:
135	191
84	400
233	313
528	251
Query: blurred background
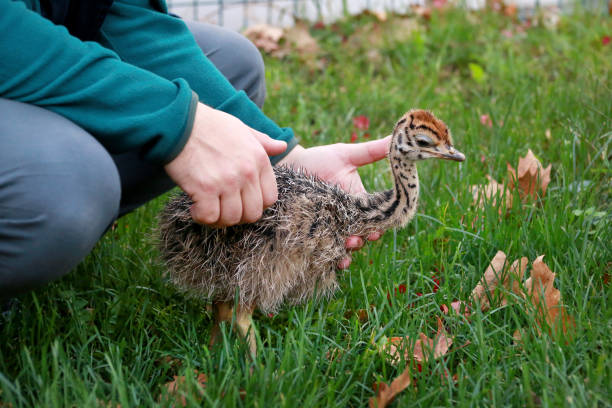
240	14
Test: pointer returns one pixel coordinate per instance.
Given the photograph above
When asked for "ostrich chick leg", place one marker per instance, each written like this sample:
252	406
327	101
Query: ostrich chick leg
223	313
244	321
246	327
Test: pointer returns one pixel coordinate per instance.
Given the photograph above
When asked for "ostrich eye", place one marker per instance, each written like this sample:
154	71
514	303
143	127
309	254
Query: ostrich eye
423	140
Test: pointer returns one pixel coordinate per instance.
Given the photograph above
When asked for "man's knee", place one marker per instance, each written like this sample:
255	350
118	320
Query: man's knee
56	225
59	191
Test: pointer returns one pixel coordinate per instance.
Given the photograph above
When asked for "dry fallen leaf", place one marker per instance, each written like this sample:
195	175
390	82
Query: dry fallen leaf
298	36
439	344
498	274
280	42
380	15
421	11
458	306
176	388
510	10
362	314
422	349
547	299
385	394
265	37
531	177
489	193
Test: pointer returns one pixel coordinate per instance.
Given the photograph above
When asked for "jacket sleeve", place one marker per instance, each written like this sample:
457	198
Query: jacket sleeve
144	35
123	106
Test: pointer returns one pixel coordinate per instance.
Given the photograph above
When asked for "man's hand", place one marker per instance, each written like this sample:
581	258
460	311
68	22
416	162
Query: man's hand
225	169
338	163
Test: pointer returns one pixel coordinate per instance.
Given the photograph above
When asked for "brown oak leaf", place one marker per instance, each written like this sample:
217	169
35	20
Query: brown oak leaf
385	393
176	388
547	299
422	348
421	351
265	37
298	36
490	193
530	177
499	275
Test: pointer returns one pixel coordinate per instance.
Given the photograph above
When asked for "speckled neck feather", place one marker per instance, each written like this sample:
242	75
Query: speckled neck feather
397	206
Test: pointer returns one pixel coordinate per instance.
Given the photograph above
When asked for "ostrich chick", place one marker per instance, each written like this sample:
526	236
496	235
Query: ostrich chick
291	253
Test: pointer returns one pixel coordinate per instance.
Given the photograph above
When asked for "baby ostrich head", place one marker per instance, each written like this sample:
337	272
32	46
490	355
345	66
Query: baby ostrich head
419	135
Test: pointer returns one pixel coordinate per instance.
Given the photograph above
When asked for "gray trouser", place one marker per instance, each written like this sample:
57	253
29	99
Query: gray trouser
60	189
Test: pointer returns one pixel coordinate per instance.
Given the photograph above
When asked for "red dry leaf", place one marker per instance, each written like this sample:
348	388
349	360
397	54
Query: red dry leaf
402	288
385	393
547	299
530	177
361	122
499	275
436	281
176	388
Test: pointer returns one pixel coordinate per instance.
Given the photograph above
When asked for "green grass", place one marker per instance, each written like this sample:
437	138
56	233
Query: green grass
103	334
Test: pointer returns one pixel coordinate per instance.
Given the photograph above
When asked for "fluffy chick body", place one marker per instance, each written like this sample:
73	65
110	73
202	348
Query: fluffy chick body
289	255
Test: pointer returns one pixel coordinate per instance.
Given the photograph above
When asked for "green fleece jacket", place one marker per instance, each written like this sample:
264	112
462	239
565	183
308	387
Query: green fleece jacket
135	89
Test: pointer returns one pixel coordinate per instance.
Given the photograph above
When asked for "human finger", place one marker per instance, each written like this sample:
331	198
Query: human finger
354	242
359	154
271	146
206	211
344	262
269	190
374	236
252	202
231	209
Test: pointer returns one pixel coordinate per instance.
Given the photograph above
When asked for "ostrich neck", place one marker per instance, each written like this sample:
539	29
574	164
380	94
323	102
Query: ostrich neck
394	207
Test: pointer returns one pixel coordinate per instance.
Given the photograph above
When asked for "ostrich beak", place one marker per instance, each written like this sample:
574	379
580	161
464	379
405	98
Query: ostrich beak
451	154
455	155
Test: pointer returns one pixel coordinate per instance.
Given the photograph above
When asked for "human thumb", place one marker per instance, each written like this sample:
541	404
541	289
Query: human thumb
360	154
271	146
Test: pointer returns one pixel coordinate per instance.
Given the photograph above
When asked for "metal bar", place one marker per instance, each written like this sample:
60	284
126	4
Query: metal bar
245	13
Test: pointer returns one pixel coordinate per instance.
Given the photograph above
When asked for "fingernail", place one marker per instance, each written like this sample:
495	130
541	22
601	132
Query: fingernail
374	236
354	242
